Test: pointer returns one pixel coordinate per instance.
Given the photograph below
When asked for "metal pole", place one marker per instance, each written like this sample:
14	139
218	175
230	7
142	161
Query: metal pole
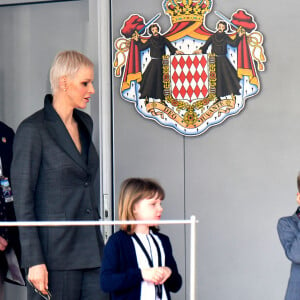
193	259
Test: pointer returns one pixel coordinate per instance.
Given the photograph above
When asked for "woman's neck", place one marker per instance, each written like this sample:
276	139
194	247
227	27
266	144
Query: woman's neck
64	111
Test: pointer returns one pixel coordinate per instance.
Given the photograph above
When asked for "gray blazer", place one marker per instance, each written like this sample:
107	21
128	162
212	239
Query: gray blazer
289	234
51	180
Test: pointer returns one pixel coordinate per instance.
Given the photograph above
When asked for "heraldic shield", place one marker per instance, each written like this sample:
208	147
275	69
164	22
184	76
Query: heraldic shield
189	78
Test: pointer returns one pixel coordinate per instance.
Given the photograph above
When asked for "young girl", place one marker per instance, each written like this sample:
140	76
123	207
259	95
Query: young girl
138	263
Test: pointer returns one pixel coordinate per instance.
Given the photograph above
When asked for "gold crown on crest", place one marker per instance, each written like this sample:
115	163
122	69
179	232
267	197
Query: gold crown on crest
187	10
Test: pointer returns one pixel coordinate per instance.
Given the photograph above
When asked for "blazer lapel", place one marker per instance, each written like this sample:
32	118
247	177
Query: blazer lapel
60	135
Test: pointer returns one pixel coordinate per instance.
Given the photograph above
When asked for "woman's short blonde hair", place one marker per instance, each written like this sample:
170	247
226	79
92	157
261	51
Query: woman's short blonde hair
67	63
132	191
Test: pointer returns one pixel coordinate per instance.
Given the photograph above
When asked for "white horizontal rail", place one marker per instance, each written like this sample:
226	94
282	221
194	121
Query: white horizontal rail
88	223
192	221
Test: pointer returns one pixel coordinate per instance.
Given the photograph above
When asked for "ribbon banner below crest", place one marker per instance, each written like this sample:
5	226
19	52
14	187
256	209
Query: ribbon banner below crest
189	78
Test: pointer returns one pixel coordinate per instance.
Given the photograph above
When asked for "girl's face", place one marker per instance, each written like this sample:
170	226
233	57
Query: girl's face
80	87
148	209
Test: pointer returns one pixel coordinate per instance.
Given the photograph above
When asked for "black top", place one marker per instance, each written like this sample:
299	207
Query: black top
7	212
6	142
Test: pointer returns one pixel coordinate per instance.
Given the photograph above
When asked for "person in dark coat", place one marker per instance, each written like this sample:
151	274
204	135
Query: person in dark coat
228	82
9	236
54	167
151	85
289	234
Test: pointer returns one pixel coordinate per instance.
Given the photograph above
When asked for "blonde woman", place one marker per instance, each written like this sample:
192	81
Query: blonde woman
53	171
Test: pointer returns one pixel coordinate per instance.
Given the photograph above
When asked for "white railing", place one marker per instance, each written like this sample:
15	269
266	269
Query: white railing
192	221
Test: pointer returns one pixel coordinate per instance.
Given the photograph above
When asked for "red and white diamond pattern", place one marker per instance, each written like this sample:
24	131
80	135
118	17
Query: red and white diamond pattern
189	76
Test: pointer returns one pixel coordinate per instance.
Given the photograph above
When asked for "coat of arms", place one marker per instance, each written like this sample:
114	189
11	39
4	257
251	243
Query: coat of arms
189	78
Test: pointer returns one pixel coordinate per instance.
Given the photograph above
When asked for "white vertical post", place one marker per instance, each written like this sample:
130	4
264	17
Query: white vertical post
105	113
193	259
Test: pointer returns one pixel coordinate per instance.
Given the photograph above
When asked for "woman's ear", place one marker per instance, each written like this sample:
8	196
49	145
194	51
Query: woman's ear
63	85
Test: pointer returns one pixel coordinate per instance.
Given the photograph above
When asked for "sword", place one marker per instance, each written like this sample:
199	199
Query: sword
149	23
225	19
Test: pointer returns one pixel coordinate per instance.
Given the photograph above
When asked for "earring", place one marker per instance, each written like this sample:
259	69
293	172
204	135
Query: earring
65	85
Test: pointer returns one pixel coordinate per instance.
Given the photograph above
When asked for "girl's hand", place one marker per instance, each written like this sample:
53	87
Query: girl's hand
154	275
166	271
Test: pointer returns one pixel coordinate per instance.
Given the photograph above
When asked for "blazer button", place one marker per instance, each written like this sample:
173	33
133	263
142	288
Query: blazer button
86	184
88	211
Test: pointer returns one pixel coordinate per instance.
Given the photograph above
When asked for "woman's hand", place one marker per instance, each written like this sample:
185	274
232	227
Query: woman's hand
3	243
38	276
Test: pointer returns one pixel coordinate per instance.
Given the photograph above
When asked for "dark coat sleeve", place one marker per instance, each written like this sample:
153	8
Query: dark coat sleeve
289	234
7	212
119	270
174	282
24	175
